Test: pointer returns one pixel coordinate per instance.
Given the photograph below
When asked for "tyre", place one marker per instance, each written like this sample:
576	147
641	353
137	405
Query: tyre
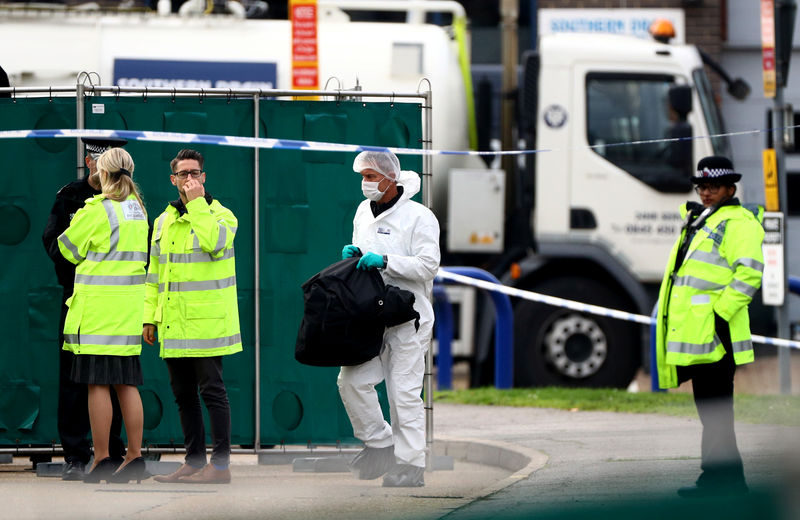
481	373
554	346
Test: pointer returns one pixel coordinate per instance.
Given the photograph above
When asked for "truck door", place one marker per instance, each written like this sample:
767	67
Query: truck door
625	175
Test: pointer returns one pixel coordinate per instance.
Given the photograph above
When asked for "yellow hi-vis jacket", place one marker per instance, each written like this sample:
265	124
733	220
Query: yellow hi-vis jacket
720	274
108	241
191	281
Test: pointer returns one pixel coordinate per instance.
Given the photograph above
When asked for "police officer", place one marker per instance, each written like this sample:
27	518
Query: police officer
4	83
703	327
73	411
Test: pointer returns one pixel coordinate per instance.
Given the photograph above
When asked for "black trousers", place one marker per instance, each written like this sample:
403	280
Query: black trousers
187	376
73	411
712	384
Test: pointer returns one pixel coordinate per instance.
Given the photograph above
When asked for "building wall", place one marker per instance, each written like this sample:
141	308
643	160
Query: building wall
705	23
741	57
704	20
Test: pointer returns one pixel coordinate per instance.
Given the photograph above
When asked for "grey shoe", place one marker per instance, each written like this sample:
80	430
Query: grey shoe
73	470
371	463
405	475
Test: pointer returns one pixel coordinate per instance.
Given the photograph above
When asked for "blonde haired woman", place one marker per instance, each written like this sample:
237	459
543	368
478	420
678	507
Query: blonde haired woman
107	239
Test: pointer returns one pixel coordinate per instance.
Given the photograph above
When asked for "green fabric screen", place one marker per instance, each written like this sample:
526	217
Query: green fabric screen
307	202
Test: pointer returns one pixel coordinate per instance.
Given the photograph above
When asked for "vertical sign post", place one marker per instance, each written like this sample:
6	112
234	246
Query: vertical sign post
509	12
777	27
305	58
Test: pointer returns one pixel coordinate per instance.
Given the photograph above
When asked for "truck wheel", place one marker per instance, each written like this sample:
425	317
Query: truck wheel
554	346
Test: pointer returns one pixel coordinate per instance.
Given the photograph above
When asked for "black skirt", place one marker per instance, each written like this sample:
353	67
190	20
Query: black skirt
106	370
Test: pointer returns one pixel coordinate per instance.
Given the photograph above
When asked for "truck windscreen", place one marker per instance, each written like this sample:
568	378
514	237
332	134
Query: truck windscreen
628	119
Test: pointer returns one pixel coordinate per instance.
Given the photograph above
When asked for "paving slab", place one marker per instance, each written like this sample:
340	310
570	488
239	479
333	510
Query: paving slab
278	491
507	463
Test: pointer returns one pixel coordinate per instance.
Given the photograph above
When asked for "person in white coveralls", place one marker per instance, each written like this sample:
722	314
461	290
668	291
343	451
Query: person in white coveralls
400	238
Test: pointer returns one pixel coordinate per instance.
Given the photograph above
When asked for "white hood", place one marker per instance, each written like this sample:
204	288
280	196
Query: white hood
410	182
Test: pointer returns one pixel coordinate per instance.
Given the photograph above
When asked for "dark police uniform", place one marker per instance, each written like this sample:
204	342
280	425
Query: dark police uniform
73	405
4	83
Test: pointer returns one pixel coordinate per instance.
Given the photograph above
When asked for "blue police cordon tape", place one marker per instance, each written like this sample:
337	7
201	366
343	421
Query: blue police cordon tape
225	140
294	144
584	307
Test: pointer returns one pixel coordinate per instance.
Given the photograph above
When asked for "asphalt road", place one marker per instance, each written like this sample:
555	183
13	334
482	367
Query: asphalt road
612	465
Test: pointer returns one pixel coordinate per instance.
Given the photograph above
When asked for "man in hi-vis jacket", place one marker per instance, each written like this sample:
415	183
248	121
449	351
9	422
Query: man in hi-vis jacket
190	299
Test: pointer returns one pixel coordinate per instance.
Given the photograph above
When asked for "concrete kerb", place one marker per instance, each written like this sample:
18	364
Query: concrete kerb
523	462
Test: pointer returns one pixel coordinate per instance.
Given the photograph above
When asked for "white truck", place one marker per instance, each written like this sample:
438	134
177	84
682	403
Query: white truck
603	214
588	218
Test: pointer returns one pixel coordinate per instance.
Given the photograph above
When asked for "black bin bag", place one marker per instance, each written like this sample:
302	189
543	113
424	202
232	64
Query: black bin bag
346	311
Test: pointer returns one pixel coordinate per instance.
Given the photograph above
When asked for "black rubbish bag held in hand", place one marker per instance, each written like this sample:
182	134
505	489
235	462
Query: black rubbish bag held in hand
346	311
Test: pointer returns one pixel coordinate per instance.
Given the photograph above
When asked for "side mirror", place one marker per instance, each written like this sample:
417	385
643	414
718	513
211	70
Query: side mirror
739	89
680	99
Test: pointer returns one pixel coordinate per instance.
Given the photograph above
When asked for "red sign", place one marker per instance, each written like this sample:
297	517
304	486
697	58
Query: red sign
305	77
768	46
305	58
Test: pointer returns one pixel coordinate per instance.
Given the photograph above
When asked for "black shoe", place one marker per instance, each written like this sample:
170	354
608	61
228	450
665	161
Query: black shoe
371	463
134	470
73	470
118	461
101	472
713	491
405	475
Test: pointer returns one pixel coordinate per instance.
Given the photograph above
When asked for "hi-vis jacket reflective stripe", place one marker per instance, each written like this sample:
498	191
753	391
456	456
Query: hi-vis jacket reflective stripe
720	274
191	281
108	241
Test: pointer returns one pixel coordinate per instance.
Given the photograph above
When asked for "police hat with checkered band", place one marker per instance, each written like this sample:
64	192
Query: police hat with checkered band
717	170
96	146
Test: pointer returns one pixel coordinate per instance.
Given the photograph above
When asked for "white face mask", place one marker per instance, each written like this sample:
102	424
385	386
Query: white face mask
371	191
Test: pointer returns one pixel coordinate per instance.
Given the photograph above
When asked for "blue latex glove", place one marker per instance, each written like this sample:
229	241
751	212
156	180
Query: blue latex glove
350	251
370	261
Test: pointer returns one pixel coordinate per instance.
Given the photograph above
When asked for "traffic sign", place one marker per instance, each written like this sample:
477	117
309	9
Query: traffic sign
770	179
774	279
768	46
305	56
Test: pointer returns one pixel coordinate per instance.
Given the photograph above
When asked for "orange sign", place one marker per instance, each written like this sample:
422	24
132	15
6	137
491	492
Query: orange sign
768	46
770	179
305	59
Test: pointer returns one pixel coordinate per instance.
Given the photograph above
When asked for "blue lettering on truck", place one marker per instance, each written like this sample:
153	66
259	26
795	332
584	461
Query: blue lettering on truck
581	25
195	74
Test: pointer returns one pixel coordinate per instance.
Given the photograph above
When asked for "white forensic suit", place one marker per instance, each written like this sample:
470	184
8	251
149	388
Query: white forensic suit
408	234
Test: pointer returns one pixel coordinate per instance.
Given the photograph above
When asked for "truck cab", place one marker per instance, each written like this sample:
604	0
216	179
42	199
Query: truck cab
596	93
607	189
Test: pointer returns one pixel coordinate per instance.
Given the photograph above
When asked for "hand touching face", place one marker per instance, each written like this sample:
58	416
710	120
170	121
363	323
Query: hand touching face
193	189
189	179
